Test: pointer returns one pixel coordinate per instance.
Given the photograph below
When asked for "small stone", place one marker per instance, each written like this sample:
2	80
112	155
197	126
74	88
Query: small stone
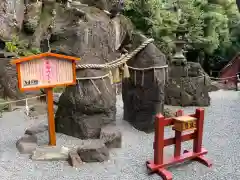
169	112
36	129
27	144
111	136
74	159
95	151
50	153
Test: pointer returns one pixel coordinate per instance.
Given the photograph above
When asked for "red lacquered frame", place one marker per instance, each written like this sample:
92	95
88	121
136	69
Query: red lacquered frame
158	165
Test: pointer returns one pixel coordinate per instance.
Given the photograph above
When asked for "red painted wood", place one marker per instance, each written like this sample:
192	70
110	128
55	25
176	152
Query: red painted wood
184	157
197	142
186	137
159	139
231	69
178	138
159	164
166	175
202	160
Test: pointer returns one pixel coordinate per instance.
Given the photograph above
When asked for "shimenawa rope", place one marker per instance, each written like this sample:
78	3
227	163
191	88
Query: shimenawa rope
117	62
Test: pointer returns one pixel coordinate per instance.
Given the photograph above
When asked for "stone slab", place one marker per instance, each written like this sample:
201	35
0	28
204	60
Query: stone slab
49	153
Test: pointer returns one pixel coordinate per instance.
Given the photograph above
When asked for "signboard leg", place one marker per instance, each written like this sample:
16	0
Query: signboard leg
51	122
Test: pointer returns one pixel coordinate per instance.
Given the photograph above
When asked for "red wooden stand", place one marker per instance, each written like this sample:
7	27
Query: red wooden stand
158	165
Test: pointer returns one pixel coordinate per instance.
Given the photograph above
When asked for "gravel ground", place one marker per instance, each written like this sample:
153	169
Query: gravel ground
221	138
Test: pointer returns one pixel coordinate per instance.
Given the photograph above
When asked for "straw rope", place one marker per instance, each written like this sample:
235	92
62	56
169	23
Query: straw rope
118	62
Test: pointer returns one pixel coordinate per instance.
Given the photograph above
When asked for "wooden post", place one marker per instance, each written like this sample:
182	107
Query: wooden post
178	138
51	122
159	139
197	143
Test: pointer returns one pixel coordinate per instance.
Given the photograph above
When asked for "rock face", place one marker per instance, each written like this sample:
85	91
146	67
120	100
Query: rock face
187	86
143	92
83	115
32	16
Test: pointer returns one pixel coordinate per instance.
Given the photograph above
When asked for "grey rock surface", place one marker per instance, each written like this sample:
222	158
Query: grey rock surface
82	113
187	86
8	80
27	144
96	151
112	136
74	159
9	20
32	16
36	129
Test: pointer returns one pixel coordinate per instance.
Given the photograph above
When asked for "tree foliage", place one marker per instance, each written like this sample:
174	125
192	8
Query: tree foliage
213	25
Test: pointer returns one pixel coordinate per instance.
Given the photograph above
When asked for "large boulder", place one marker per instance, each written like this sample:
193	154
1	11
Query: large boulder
88	33
82	112
187	86
143	92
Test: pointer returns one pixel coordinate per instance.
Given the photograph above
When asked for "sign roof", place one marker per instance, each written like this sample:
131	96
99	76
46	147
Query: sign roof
47	54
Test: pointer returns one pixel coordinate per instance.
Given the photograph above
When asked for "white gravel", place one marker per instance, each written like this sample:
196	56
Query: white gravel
221	138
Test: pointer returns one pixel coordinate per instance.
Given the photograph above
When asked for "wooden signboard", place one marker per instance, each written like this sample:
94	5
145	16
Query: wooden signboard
47	70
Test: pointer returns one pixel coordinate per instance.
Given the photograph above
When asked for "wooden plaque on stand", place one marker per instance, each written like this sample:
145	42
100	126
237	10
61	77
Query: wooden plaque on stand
46	70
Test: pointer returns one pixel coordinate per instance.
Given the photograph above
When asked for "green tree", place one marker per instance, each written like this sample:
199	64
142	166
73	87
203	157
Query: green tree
213	25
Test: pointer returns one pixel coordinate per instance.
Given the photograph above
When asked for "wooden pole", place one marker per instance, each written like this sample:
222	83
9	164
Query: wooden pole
51	122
